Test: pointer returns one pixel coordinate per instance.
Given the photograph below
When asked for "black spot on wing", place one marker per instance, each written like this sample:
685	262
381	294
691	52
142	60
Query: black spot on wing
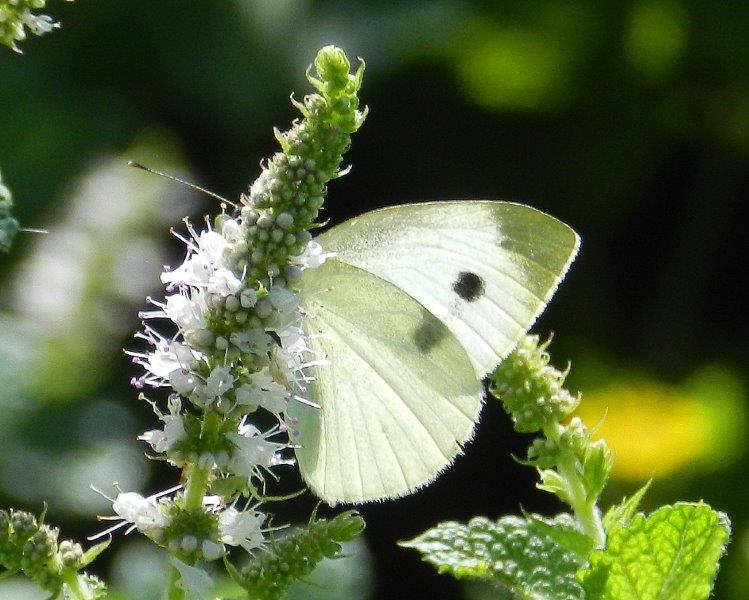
429	332
469	286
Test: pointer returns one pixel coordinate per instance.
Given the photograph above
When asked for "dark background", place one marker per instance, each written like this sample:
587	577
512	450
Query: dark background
627	120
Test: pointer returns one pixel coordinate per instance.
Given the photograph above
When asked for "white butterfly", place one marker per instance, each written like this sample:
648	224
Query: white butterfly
420	302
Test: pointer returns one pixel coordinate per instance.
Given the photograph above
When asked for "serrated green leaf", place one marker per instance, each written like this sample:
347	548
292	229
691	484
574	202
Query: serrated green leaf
670	555
515	552
623	512
90	555
570	538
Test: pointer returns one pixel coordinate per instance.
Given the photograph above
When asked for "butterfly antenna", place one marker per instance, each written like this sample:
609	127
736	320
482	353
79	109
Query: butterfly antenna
32	230
137	165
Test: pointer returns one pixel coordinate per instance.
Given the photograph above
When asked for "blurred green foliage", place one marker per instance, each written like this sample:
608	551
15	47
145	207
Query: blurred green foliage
629	120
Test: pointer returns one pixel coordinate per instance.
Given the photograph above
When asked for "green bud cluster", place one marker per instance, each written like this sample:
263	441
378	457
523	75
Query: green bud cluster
30	546
573	437
17	16
531	390
203	444
192	534
8	224
294	557
571	466
285	200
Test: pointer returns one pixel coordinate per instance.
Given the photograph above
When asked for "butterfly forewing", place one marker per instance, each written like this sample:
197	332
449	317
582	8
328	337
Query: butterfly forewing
485	269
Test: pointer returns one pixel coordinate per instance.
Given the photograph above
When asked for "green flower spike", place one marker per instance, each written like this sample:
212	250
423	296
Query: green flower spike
285	200
570	465
294	557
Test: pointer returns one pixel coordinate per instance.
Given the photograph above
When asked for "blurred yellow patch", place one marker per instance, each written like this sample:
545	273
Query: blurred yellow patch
656	429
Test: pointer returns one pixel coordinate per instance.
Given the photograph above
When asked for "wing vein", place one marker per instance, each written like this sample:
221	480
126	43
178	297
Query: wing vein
391	386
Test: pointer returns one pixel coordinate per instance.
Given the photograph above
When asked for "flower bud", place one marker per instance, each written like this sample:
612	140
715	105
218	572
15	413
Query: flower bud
332	66
530	389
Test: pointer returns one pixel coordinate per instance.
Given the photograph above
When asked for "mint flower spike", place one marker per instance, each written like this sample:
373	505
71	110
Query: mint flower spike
285	200
17	16
295	556
571	466
236	347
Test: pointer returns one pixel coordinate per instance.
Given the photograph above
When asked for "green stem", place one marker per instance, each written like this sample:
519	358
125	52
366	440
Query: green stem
197	483
586	510
73	582
197	479
174	592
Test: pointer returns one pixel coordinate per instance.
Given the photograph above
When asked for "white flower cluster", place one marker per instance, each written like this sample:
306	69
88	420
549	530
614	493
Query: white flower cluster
237	349
151	516
231	336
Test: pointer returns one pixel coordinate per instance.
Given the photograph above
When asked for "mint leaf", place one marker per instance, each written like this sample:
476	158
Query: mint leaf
671	554
569	538
518	553
622	513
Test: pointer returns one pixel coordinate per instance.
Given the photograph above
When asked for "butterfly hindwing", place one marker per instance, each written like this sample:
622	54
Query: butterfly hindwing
397	399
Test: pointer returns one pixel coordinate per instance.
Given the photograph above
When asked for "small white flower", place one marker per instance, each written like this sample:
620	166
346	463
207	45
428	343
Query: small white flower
242	528
143	514
167	357
205	266
195	271
187	312
293	358
212	245
263	392
183	381
253	450
174	429
313	256
223	282
39	24
261	185
233	232
293	339
218	383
